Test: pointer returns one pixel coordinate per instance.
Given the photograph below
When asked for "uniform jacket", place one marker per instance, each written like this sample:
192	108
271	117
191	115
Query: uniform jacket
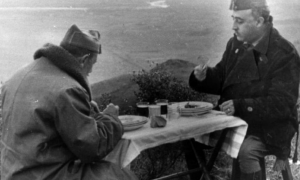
50	130
263	84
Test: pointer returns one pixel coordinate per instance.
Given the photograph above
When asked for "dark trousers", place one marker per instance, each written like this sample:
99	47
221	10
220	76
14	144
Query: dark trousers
251	151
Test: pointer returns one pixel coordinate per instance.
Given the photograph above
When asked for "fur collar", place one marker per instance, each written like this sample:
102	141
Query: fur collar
65	61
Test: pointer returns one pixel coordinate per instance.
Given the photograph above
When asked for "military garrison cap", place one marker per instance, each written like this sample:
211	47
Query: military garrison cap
237	5
88	40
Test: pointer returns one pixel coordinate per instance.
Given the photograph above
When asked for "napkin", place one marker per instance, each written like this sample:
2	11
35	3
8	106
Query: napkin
158	121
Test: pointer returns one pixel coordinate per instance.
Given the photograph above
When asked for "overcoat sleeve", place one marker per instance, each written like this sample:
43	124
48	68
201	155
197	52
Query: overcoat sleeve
215	76
89	137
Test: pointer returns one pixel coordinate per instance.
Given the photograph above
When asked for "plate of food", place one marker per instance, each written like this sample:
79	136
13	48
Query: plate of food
132	122
194	108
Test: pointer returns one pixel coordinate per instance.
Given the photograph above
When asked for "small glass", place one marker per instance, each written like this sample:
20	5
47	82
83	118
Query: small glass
163	103
173	111
142	108
154	110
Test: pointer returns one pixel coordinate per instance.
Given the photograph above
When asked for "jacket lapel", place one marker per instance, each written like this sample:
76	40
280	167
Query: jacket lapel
262	48
263	65
243	69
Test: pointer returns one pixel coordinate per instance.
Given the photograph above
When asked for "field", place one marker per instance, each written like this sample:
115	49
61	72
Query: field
133	32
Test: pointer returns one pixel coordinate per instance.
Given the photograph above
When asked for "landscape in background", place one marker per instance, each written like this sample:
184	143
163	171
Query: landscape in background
134	33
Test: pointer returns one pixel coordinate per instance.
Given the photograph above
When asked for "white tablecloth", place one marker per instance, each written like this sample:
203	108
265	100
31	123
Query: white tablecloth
201	128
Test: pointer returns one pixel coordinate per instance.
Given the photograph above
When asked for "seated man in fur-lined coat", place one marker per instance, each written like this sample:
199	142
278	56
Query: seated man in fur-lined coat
51	127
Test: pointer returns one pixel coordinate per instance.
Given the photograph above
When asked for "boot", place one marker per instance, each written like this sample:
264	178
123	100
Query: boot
251	176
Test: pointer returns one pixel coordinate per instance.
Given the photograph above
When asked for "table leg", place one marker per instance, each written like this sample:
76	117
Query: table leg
201	161
204	167
214	154
176	175
216	150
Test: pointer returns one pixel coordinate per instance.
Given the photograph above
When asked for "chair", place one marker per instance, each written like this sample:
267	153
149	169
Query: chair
280	164
284	168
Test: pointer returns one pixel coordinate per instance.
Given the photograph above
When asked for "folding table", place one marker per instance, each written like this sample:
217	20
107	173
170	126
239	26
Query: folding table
203	129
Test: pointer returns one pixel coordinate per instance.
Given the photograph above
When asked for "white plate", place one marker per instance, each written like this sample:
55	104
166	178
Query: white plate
131	128
132	120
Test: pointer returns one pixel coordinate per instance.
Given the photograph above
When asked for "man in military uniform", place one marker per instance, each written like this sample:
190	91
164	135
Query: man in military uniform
257	80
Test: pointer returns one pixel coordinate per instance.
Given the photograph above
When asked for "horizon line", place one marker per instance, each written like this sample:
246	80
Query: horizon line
45	8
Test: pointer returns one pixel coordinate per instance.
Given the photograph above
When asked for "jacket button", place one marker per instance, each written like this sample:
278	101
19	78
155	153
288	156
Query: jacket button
250	109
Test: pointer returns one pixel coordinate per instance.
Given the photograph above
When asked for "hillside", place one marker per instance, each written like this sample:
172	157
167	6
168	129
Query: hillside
122	88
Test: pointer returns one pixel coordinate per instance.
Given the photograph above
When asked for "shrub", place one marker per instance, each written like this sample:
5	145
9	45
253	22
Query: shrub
106	98
158	84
